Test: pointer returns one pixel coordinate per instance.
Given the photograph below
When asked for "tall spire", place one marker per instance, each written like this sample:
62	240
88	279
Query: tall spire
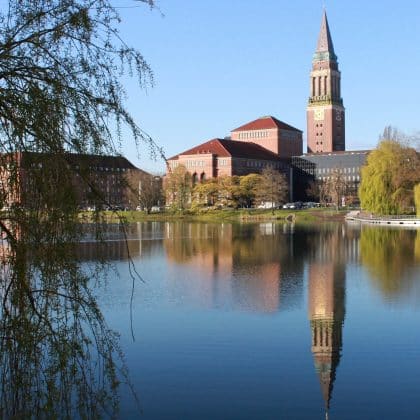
325	47
325	111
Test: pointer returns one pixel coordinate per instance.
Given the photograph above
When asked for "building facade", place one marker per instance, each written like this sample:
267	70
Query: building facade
280	138
222	157
325	111
268	141
320	167
91	180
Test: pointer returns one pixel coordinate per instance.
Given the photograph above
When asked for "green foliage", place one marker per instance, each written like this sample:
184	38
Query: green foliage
417	198
250	185
387	253
388	178
60	91
206	193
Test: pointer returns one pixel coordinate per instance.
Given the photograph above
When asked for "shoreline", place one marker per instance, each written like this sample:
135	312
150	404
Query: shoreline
322	215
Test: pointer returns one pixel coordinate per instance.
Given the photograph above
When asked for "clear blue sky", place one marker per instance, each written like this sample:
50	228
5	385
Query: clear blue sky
219	64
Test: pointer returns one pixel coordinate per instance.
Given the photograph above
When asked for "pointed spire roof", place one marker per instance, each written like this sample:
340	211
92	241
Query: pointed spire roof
325	47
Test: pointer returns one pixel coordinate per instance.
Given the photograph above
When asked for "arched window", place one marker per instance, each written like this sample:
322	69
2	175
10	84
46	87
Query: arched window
194	178
202	177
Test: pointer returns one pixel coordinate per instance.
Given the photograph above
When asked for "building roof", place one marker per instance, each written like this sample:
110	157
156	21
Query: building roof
266	122
230	148
325	47
79	159
338	152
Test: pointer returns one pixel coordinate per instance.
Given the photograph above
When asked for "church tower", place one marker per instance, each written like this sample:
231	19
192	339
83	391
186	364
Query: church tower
325	112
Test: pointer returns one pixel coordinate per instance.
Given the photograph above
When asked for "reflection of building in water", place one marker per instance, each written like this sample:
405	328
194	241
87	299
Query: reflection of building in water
241	266
326	314
121	243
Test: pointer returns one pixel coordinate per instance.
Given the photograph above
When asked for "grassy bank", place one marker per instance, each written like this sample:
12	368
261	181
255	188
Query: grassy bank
240	215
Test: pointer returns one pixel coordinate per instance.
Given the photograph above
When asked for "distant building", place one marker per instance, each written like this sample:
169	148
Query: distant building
269	142
272	134
326	143
222	157
320	166
325	111
107	181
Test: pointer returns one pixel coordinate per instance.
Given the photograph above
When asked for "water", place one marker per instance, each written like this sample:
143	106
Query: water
267	321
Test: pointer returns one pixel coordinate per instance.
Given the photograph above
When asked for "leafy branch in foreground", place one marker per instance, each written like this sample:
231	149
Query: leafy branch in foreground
60	92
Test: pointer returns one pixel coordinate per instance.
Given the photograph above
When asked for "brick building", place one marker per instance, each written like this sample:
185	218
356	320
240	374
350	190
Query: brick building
268	141
280	138
325	111
94	180
223	157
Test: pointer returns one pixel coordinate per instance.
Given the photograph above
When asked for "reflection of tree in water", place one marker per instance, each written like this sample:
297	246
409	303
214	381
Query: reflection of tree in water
57	354
183	241
245	243
417	247
254	266
61	93
389	255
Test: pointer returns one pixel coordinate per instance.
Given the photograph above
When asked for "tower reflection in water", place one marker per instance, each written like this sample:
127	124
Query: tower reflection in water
258	268
326	300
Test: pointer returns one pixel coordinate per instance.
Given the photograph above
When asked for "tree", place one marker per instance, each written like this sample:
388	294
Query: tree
178	186
388	178
230	191
60	92
335	187
206	193
417	198
317	189
272	188
150	191
250	185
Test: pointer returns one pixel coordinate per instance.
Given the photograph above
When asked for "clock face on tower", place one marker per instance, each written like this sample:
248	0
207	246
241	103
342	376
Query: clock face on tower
338	115
319	114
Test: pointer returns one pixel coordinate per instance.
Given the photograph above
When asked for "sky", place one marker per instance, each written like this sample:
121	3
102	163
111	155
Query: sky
220	64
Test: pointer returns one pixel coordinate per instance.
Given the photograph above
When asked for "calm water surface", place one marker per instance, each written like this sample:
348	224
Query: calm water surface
267	321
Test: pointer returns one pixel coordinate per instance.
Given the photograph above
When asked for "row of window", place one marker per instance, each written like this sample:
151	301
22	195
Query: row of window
340	170
194	163
105	169
253	134
262	164
353	178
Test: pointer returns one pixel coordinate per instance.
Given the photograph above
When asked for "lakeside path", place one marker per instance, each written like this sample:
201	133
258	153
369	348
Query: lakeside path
372	219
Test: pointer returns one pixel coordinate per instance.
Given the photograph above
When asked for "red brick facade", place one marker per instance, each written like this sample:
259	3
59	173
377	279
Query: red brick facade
94	180
220	157
325	111
274	135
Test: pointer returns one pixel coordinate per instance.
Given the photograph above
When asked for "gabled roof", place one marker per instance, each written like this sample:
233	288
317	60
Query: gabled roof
230	148
266	122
